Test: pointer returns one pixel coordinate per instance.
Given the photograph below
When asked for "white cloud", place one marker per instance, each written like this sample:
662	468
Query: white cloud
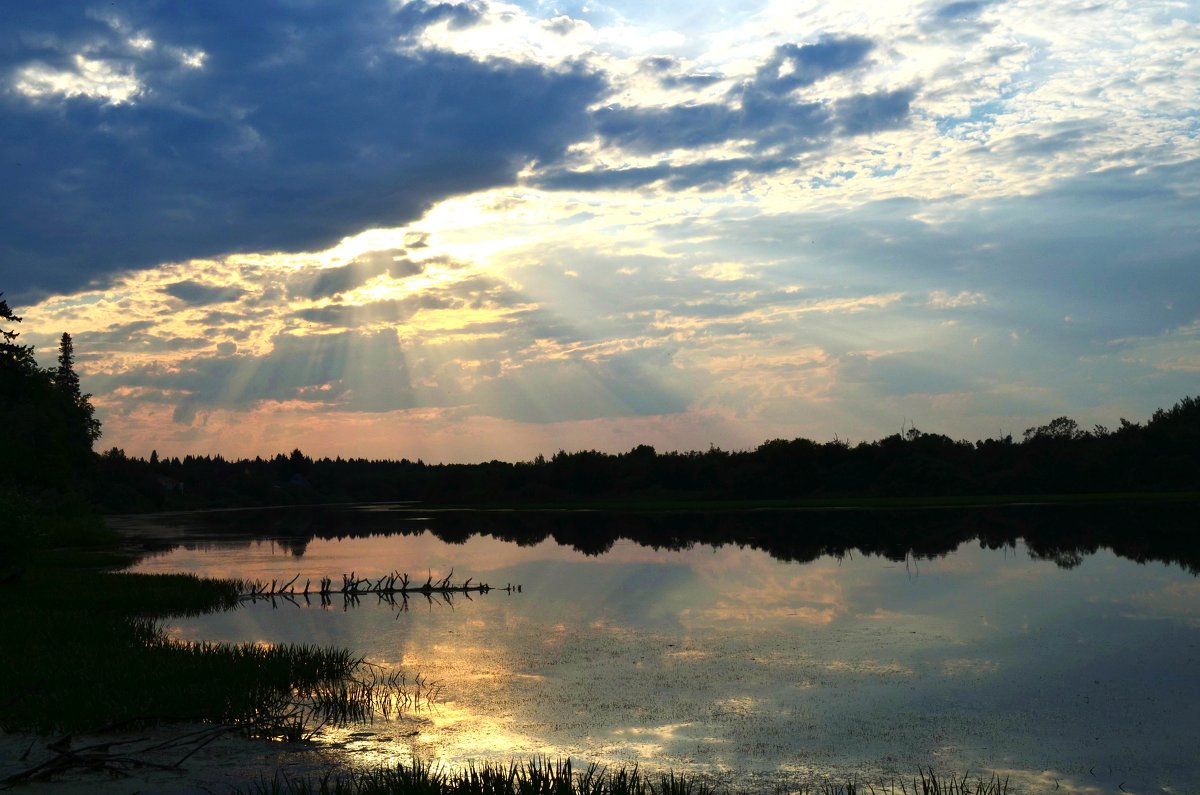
92	78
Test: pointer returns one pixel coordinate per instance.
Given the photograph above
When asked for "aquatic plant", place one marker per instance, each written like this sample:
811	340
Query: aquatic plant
542	776
538	776
84	651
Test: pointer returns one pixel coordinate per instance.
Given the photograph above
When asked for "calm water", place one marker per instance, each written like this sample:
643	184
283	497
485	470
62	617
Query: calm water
755	671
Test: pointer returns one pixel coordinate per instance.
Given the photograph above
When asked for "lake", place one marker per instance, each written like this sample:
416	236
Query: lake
759	649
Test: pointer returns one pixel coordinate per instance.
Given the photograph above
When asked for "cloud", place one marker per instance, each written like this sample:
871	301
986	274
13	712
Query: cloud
557	391
962	16
416	15
868	113
351	371
762	110
794	66
705	174
114	336
327	282
390	311
197	294
764	116
298	127
667	72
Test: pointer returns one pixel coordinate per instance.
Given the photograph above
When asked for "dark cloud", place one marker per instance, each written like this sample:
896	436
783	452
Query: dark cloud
197	294
762	110
327	282
133	337
794	66
562	25
416	15
705	174
690	80
666	70
392	311
219	318
1062	137
113	336
966	10
960	19
305	124
660	64
868	113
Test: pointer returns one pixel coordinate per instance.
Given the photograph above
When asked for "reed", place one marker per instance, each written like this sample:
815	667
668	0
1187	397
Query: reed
542	776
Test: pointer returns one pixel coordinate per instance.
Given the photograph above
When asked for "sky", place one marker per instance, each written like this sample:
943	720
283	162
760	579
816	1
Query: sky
460	231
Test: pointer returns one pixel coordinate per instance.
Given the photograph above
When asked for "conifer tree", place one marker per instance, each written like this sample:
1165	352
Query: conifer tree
65	377
66	380
13	356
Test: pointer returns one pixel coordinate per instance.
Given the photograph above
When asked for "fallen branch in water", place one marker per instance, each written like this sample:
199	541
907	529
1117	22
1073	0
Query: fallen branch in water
104	757
394	584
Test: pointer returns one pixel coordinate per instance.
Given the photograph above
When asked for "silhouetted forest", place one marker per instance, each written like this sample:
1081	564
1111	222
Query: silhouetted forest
1163	454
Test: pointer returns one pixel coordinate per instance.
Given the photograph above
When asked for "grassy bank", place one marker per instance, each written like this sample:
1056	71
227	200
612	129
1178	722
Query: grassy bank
85	650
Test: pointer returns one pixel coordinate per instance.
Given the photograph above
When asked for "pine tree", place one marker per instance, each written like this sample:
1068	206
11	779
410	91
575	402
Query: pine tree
65	377
66	380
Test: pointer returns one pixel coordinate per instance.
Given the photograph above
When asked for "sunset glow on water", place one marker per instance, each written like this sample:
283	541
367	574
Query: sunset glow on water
728	663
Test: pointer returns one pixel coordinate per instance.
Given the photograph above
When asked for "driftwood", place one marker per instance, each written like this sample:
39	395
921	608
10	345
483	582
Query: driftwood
389	588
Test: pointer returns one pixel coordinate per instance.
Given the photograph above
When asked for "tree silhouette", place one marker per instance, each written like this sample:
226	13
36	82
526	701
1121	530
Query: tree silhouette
65	377
66	380
14	358
46	422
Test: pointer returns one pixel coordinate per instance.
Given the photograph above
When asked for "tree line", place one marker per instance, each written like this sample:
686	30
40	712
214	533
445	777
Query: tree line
1159	455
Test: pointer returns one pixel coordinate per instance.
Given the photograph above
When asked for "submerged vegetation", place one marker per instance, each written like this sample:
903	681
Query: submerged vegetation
546	777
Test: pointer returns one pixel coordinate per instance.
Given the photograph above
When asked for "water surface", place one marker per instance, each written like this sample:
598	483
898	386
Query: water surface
730	662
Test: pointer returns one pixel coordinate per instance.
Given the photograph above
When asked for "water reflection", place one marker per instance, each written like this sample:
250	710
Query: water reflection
735	661
1065	535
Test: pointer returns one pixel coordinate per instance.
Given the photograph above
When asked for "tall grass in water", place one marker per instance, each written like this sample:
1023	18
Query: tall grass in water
534	777
545	777
83	651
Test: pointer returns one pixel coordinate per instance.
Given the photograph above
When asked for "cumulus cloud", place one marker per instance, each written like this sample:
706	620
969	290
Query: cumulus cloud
767	117
794	66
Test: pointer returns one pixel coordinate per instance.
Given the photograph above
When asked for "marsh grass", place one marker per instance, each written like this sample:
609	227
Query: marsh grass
541	776
83	650
537	776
